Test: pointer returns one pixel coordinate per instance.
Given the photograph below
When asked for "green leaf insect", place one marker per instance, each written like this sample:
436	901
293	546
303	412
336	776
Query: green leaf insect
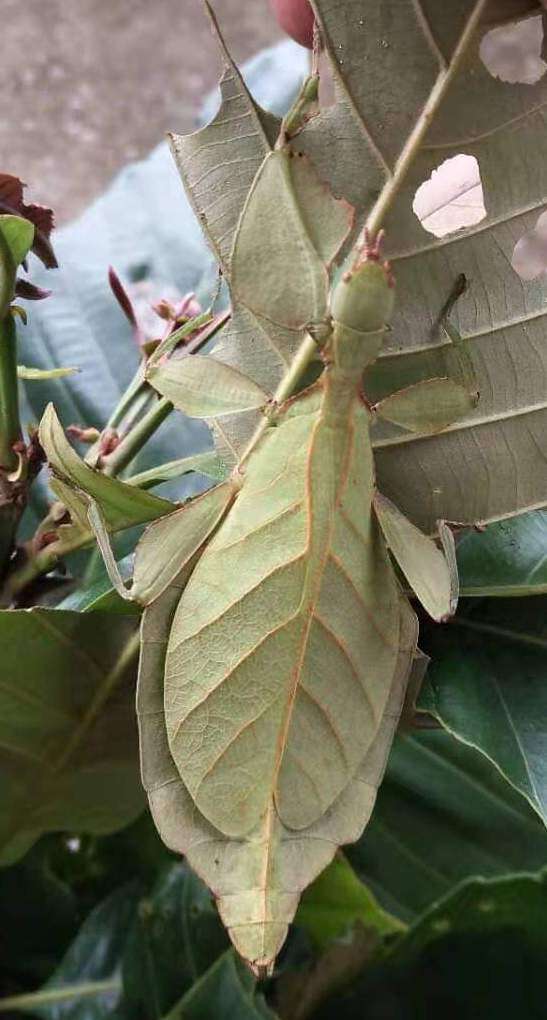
277	643
278	646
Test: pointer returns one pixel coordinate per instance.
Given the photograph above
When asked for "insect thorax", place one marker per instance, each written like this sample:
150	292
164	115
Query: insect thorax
351	350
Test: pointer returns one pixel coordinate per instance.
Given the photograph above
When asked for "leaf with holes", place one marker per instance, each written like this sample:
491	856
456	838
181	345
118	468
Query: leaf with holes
400	125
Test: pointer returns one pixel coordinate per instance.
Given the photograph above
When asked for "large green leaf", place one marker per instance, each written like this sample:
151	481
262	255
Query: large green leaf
225	992
87	984
419	63
507	559
138	953
29	893
411	92
517	902
443	814
67	731
176	937
478	952
487	685
336	901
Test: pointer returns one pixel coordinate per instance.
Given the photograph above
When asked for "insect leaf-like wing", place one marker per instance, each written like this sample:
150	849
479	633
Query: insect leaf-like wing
257	879
295	588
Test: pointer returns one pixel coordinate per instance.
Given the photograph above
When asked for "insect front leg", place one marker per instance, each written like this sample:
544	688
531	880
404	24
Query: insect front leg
431	572
168	545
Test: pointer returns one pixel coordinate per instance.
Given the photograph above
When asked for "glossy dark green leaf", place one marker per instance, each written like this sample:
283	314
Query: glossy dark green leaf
176	937
479	952
101	596
484	905
68	748
487	685
30	893
135	952
509	558
225	992
87	983
443	813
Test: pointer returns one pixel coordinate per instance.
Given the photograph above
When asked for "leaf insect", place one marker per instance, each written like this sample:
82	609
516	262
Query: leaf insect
277	642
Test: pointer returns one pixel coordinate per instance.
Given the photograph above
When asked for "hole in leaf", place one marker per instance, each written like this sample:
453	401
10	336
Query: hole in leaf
512	53
452	198
530	253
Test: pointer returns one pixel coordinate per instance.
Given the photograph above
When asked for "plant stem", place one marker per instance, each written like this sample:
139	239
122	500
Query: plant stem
136	387
287	386
30	1000
139	435
126	400
412	145
10	426
12	496
385	200
133	442
139	393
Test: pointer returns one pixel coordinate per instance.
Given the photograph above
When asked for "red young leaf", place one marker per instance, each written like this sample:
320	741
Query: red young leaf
11	201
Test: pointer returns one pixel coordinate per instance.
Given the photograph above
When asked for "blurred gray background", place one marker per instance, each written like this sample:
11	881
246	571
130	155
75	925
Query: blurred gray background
89	85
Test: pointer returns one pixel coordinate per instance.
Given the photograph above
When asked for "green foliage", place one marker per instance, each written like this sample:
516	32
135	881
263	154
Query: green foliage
486	685
16	237
336	902
258	752
122	506
477	952
67	733
443	813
